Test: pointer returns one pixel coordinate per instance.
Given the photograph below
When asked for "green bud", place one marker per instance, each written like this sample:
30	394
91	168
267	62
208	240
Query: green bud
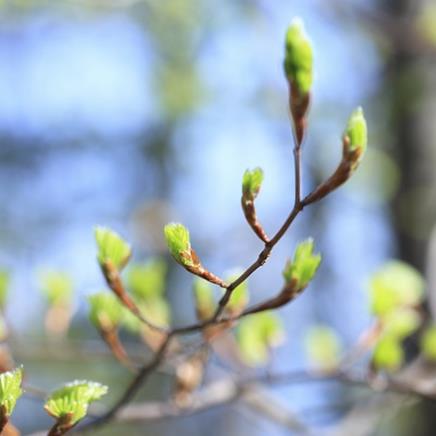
388	354
301	270
323	347
112	248
257	334
177	237
401	322
157	311
148	280
396	284
356	132
10	389
298	57
57	286
105	310
73	400
204	298
251	183
428	343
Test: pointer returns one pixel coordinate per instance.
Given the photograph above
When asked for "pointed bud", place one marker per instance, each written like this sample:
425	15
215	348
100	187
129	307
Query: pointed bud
179	244
298	62
355	137
301	270
112	249
251	184
354	143
177	237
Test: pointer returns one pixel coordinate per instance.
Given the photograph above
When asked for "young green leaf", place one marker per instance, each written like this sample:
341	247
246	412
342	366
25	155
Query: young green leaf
4	287
10	389
57	286
388	354
428	343
73	399
257	334
298	62
105	310
111	248
251	183
396	284
177	237
147	280
323	347
301	270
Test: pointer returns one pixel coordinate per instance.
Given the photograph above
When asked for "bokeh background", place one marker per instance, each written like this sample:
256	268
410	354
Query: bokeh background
134	113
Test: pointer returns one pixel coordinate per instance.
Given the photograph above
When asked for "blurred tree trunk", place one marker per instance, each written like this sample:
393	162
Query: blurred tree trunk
408	88
409	91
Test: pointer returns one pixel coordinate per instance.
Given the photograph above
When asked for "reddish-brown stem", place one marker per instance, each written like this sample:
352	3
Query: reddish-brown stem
3	418
61	426
251	217
113	280
110	336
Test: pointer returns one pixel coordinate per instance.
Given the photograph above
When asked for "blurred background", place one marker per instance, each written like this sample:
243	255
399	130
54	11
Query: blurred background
134	113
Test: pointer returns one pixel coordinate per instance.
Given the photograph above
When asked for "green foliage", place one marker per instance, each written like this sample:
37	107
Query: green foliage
111	248
57	286
299	57
177	237
10	389
240	295
73	399
4	287
157	311
323	347
257	334
388	354
395	285
356	131
402	322
251	183
428	343
204	297
147	280
105	310
301	270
